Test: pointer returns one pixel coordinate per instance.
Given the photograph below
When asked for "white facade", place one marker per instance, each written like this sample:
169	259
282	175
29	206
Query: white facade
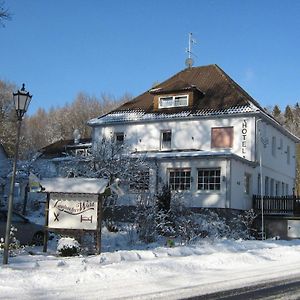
213	148
191	149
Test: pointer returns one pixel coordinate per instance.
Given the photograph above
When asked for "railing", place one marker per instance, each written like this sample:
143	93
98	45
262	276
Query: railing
285	205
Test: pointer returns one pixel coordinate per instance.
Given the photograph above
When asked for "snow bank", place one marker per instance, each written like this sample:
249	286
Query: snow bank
158	272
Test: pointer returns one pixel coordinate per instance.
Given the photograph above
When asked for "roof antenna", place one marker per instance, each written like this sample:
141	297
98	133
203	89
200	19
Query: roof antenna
189	61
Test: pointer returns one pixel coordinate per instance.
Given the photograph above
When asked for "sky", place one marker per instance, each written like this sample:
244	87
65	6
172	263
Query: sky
59	48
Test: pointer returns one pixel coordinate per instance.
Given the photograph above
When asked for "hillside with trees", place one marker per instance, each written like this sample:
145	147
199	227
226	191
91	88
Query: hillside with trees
290	119
45	127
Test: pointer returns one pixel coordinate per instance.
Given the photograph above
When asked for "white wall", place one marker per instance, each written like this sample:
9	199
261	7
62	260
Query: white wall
196	134
186	134
195	197
275	163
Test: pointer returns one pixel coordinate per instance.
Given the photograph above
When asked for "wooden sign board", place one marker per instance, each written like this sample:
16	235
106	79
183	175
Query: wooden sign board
73	211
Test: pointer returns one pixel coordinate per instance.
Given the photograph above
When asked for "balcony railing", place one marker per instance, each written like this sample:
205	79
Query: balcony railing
285	205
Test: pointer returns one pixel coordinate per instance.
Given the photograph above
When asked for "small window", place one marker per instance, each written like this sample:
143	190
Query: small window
166	139
267	192
258	184
140	181
274	146
209	179
247	183
222	137
272	187
288	155
180	179
173	101
81	152
277	188
119	137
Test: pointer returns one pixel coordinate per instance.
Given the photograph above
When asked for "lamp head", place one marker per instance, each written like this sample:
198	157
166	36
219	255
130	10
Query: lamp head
22	100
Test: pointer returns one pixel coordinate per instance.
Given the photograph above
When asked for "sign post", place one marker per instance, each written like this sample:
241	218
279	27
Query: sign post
74	205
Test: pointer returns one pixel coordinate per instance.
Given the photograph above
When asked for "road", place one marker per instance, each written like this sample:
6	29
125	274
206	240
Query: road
286	289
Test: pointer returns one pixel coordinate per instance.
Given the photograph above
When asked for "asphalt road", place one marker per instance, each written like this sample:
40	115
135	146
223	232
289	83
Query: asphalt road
287	289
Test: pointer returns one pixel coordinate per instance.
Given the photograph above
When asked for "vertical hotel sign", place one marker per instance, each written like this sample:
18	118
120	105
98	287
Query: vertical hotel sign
70	211
244	137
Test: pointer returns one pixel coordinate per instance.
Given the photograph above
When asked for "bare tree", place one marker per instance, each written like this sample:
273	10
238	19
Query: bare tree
4	14
44	128
7	117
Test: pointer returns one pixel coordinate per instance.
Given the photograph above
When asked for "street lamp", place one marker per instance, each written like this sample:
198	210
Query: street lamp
21	99
264	142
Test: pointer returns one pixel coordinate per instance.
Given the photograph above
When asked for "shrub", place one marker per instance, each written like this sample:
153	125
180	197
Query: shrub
14	245
68	246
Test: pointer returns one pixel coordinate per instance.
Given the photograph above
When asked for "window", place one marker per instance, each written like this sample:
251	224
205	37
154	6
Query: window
277	189
166	138
173	101
272	187
222	137
288	155
82	152
209	179
274	146
140	181
247	183
119	137
180	179
258	185
267	186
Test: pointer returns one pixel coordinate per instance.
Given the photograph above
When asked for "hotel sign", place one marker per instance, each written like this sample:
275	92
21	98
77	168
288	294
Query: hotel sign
244	137
73	211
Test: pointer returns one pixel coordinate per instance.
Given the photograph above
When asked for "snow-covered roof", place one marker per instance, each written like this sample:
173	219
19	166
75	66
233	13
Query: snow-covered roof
214	93
74	185
190	154
126	116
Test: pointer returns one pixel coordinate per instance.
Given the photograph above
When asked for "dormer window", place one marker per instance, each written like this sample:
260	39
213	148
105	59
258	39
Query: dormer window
173	101
119	138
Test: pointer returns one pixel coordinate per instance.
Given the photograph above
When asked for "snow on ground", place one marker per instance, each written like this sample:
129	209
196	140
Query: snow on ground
147	271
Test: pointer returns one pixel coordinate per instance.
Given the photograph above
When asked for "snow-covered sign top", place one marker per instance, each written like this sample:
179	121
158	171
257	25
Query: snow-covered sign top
74	185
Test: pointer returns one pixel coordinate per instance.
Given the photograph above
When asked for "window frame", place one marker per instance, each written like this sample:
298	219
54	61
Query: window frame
172	101
119	134
207	179
247	183
180	181
165	144
288	155
213	143
274	142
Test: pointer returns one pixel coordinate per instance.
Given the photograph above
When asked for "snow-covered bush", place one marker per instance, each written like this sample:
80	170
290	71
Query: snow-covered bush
168	217
146	219
237	225
164	216
14	246
68	246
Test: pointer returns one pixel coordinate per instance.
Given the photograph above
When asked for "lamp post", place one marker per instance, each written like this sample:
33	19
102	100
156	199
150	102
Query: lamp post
261	141
21	99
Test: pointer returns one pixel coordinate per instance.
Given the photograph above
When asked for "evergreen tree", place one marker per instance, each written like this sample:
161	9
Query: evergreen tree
276	111
288	114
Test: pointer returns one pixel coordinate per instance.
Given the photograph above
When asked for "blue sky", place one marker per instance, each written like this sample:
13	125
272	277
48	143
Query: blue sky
61	47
